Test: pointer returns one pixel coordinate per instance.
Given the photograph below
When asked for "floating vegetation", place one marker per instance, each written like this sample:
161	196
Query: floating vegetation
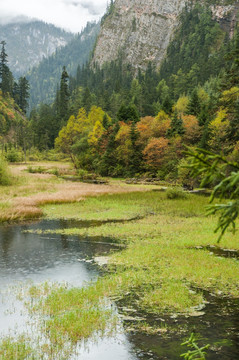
161	279
18	348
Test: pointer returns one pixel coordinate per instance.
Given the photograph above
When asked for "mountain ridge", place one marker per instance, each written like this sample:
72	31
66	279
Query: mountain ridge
27	43
141	32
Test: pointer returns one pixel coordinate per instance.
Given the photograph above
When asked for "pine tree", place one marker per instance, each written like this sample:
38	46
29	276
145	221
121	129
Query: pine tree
128	114
64	97
6	78
108	161
87	101
105	122
194	105
176	126
23	93
231	77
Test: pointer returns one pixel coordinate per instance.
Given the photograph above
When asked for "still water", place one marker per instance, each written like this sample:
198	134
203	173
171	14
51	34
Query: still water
27	258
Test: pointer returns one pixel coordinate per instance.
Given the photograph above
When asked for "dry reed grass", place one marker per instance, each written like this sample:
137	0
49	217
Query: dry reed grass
36	190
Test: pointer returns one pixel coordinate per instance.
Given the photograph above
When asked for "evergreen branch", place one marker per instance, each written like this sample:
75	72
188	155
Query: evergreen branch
214	168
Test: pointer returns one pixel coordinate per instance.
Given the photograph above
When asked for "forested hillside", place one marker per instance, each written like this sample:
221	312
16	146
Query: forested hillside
29	42
13	128
43	79
114	122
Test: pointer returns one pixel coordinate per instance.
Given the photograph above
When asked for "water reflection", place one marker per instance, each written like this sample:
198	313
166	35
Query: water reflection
28	257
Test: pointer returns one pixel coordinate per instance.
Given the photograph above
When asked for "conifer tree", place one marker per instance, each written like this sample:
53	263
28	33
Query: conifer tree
108	161
87	102
194	106
64	97
176	127
6	78
23	93
231	77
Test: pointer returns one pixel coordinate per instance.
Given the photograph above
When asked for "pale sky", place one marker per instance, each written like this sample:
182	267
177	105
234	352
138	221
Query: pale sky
69	14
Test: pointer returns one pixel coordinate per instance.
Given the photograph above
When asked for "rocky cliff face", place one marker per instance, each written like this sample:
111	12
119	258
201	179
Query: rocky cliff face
140	30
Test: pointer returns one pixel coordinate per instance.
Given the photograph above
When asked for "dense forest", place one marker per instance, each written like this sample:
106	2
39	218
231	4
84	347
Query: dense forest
110	121
43	78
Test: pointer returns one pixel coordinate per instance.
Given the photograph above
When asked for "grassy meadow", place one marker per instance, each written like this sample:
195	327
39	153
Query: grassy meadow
33	186
162	268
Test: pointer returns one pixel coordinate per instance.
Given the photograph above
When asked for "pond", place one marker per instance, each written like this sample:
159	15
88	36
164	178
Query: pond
27	257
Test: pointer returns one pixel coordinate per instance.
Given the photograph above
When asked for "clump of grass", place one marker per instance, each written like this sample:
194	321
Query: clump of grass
162	298
75	314
36	169
175	193
85	175
16	349
55	171
5	176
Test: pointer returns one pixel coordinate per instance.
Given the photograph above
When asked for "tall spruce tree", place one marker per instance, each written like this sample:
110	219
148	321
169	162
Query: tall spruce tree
194	105
231	77
6	78
64	97
177	127
23	93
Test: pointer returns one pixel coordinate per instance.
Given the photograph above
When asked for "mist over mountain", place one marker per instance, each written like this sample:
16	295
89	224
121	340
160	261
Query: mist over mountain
29	41
44	77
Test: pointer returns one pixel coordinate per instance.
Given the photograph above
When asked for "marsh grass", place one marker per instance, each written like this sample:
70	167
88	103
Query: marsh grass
175	193
119	206
159	272
30	191
73	315
16	348
5	174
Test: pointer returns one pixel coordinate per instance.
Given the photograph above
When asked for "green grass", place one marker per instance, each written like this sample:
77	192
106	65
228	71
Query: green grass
5	176
16	349
125	206
160	271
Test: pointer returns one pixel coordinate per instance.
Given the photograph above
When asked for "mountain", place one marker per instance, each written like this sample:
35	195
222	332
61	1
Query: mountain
44	77
27	43
140	31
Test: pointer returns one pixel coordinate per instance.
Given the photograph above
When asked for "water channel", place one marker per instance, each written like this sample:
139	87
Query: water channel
27	257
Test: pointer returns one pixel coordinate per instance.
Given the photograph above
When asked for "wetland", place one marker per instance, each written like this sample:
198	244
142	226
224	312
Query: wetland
159	280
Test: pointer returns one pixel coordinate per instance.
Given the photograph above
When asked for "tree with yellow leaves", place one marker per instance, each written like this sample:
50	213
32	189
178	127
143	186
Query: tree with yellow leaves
219	128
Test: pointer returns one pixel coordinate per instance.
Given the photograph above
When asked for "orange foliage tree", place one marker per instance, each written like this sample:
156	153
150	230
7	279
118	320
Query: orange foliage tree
192	129
155	153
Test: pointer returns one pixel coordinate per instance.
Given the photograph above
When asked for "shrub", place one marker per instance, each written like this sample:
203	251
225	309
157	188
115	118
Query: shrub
13	155
34	154
54	171
85	175
175	193
36	169
5	176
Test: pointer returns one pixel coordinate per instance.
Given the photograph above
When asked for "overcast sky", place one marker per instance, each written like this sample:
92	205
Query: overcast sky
69	14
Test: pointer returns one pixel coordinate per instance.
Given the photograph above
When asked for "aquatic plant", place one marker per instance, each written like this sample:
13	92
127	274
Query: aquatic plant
16	348
197	353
